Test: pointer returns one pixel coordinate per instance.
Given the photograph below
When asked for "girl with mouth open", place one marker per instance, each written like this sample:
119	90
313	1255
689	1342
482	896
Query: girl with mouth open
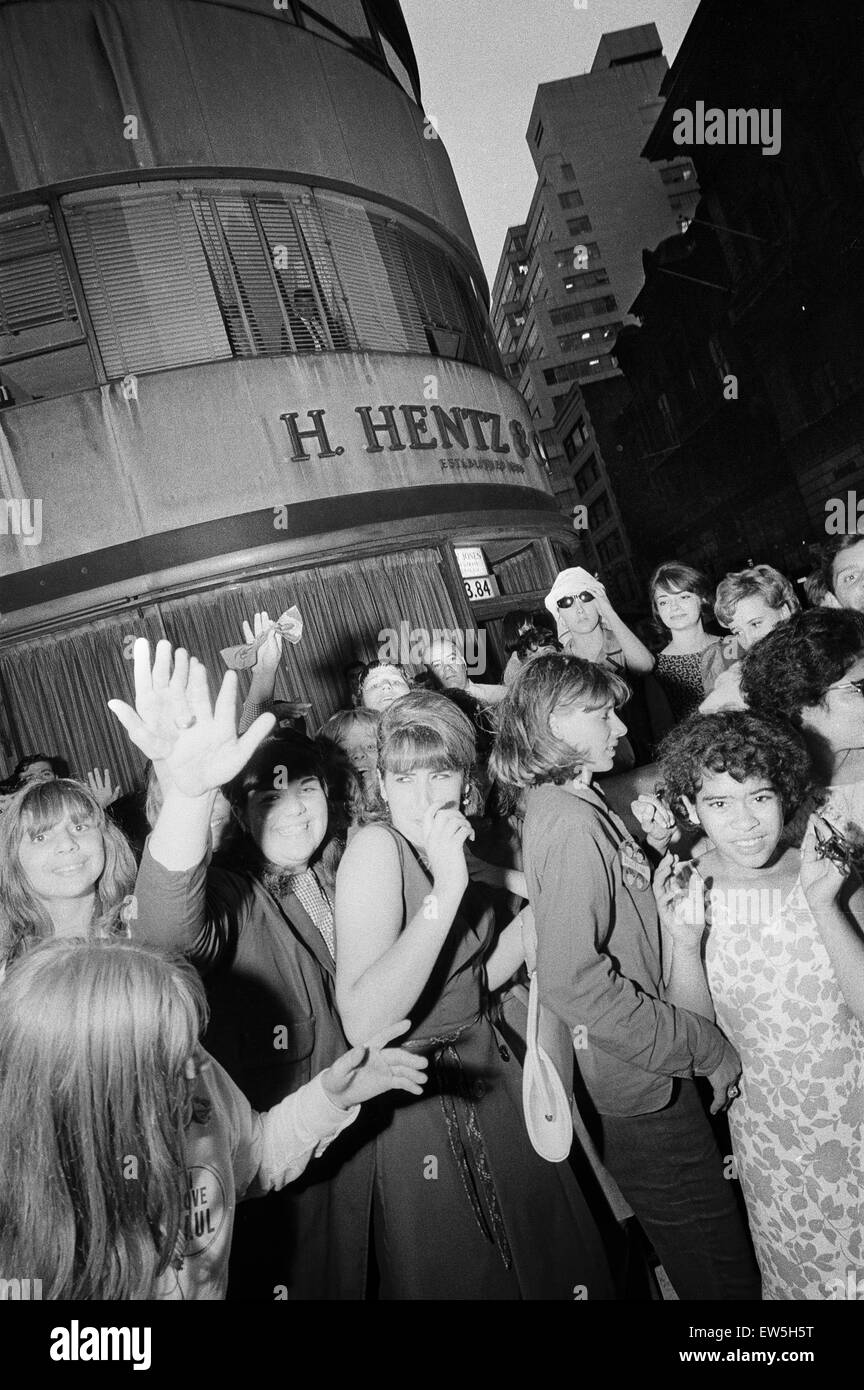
782	968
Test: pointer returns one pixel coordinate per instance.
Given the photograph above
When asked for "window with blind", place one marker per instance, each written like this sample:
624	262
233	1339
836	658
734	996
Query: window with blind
43	349
196	274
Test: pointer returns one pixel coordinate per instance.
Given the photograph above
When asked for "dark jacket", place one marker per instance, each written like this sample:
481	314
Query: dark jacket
271	988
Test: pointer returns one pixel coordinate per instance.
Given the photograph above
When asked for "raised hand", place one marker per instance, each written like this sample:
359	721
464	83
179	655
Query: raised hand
679	890
373	1068
821	875
604	604
656	820
269	654
175	724
100	786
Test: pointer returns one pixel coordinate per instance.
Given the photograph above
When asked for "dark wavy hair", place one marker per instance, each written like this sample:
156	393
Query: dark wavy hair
737	742
287	757
526	752
792	667
58	765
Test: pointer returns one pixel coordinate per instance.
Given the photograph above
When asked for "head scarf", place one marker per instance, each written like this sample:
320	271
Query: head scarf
572	581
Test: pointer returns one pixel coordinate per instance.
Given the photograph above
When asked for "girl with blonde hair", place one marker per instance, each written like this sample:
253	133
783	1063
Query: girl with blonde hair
65	869
124	1146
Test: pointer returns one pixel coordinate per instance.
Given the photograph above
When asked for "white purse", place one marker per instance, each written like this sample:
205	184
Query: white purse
545	1102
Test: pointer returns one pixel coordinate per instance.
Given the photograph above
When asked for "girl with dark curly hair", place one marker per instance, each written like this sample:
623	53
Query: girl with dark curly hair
809	673
766	939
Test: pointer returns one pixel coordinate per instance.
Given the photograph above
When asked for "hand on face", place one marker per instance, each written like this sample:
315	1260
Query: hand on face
445	831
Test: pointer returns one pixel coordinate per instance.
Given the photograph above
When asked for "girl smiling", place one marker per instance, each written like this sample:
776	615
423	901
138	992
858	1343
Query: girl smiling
783	969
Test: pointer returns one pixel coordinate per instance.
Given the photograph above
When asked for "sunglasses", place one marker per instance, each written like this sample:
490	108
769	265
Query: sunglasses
568	599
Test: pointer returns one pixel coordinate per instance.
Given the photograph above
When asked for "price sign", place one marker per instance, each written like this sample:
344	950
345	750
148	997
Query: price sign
484	587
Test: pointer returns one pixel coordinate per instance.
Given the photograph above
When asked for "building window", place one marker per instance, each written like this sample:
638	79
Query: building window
43	347
609	550
587	475
542	226
571	199
575	225
538	134
568	173
574	441
398	68
601	509
179	274
573	312
536	283
337	19
679	173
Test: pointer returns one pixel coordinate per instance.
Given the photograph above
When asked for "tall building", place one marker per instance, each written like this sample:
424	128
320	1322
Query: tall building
568	275
748	370
245	356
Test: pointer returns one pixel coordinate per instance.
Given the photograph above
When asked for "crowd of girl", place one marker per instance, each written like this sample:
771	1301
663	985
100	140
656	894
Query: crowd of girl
303	990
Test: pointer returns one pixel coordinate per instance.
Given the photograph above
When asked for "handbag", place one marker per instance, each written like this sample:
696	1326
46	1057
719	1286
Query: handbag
545	1102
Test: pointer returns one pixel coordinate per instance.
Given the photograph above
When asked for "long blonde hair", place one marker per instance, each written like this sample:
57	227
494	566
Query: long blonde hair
37	807
94	1041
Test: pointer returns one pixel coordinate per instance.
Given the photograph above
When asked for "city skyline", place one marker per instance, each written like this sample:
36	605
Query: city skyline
483	125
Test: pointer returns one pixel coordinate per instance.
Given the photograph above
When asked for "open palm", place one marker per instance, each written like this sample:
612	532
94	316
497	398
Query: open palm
175	723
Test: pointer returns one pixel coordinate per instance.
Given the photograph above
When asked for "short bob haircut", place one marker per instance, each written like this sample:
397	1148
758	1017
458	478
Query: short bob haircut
762	581
791	668
526	752
428	730
737	742
673	577
39	806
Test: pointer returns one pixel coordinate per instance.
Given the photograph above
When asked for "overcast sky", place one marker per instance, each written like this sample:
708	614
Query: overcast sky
481	62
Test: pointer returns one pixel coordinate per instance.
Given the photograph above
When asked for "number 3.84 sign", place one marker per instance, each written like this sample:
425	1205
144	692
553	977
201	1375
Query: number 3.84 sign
486	586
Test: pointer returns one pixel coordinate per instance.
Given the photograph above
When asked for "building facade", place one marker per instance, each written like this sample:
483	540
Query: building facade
245	355
753	415
568	275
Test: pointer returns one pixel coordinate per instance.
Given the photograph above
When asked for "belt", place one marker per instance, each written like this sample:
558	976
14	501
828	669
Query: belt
456	1098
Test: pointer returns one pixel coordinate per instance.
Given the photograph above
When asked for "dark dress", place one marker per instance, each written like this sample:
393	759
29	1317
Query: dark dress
463	1207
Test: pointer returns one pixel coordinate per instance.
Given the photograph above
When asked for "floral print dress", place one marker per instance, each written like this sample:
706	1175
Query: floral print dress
798	1126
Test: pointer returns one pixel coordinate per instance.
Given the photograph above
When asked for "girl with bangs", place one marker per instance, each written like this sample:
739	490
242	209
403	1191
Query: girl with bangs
65	869
599	970
463	1208
124	1147
680	602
